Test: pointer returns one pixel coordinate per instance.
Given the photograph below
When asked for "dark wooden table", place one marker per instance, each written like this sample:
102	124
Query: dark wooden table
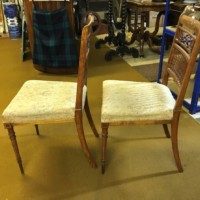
138	32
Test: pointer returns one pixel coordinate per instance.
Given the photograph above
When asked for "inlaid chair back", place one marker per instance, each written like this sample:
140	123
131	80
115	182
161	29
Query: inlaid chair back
138	103
183	54
43	102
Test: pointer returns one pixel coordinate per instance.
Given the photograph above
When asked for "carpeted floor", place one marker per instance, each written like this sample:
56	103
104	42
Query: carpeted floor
147	65
196	116
149	56
140	162
149	71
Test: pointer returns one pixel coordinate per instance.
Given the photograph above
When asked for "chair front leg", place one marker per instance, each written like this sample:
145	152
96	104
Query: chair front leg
12	136
174	139
89	117
104	127
81	134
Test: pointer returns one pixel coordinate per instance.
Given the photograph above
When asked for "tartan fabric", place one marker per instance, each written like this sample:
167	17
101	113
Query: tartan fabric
54	45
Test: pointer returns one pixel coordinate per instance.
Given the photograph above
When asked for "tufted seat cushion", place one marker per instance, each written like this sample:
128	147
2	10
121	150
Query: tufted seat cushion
135	101
43	101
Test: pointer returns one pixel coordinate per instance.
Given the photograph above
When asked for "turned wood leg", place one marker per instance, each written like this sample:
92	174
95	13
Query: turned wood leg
104	127
129	19
13	140
136	21
80	130
174	139
89	117
141	43
165	127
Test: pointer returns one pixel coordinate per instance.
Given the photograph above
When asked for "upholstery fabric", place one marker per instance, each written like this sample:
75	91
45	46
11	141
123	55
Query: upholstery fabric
43	100
135	101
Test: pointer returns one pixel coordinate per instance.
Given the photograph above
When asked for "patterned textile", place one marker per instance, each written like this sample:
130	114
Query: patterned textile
54	45
43	101
135	101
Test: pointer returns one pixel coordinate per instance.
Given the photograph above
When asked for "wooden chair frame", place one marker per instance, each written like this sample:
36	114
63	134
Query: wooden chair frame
180	71
79	107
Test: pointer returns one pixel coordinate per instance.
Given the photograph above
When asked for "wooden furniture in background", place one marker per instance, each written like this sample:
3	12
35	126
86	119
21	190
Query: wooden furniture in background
138	31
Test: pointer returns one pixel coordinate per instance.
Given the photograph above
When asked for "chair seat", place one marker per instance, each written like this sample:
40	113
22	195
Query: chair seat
40	101
149	101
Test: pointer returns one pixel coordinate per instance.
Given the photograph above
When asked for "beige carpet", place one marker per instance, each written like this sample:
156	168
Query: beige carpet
147	65
196	116
149	56
149	71
140	161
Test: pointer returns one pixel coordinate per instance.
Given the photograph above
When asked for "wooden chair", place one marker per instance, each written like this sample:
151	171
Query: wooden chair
139	103
43	102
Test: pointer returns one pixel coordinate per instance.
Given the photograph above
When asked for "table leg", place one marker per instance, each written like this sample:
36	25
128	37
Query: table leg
137	32
148	36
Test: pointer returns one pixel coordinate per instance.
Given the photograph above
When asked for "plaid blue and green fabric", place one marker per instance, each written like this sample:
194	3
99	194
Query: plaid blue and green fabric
54	44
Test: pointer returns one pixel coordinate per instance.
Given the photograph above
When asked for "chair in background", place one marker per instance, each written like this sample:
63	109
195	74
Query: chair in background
139	103
43	102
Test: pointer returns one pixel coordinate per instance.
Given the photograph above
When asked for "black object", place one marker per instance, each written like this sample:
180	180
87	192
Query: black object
80	7
82	10
118	40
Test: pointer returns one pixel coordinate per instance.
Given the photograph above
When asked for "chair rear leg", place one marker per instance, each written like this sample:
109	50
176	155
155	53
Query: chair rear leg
165	127
12	136
80	130
89	117
104	127
174	139
37	129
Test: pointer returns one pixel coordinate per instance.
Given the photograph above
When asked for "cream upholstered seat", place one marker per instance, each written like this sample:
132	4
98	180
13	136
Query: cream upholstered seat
54	100
137	103
43	101
125	101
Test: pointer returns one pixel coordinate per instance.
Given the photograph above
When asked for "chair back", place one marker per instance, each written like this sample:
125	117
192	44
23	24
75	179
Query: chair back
83	60
183	55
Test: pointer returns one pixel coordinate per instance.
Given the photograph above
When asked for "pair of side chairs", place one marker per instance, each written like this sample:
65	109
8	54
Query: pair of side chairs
124	102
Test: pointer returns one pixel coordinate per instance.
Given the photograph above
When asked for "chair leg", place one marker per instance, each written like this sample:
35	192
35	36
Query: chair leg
174	139
80	130
104	127
12	136
165	127
89	117
37	129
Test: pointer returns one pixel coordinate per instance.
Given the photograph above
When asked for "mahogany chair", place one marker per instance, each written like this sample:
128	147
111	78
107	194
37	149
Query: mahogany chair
43	102
140	103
